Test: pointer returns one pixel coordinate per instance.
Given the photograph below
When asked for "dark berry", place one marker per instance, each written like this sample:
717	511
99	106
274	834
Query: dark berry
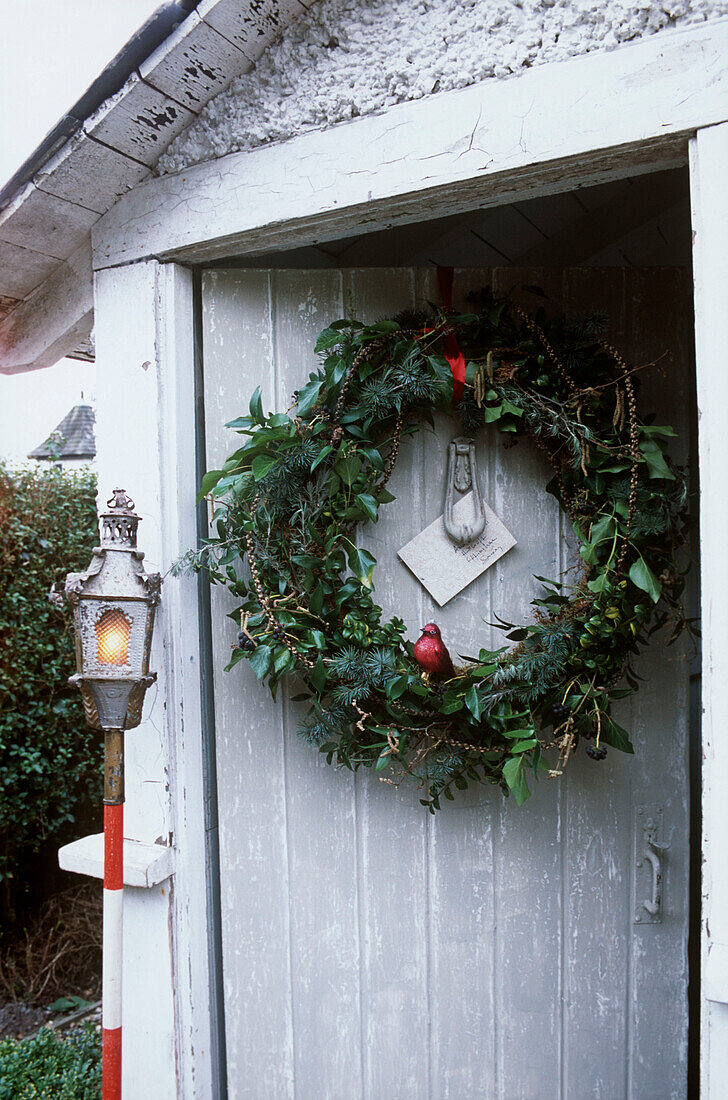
244	642
596	753
561	711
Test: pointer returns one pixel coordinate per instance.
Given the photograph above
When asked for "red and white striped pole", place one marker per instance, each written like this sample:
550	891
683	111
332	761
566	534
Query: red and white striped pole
113	912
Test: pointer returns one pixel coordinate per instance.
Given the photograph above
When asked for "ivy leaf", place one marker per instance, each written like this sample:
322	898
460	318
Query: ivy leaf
509	407
329	338
599	582
262	464
256	407
319	639
318	675
368	505
237	656
450	706
362	565
655	460
284	659
385	757
657	429
374	457
602	530
641	575
396	686
515	778
381	328
348	468
491	413
473	702
260	660
209	482
316	602
524	746
613	734
309	395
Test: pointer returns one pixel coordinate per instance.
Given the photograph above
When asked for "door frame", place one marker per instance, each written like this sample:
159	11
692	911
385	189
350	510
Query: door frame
632	123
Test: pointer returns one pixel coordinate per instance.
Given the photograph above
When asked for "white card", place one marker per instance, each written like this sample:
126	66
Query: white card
445	568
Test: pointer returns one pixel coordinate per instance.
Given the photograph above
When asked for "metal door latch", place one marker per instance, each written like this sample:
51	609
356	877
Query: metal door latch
648	854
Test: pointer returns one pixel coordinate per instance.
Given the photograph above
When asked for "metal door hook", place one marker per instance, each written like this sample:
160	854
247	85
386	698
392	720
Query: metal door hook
462	476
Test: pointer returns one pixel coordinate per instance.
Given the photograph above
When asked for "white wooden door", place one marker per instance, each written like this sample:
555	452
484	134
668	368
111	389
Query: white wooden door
371	950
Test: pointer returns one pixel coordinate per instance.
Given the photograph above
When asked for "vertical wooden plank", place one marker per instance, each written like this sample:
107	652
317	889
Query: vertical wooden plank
597	834
320	802
251	788
392	825
659	321
461	857
529	841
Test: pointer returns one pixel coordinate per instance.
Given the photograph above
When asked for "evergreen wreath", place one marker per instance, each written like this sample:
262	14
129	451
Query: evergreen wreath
292	497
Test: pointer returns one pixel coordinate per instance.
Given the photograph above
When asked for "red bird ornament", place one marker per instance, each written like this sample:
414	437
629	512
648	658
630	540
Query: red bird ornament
432	655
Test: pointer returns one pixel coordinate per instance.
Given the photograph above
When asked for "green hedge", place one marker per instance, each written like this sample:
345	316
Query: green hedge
47	1067
50	762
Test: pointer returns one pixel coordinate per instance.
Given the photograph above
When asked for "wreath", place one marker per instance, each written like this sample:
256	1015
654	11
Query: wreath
291	499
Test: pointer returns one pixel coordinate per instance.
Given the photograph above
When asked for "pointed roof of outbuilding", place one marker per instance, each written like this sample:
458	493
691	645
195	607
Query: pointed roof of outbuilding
73	438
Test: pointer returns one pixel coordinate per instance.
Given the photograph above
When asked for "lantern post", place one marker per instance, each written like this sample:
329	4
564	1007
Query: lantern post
114	603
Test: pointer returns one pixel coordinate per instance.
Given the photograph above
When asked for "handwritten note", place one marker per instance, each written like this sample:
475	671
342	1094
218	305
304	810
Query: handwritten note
445	568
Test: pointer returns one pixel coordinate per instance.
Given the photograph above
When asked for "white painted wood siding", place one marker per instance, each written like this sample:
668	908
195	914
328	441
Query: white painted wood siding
370	950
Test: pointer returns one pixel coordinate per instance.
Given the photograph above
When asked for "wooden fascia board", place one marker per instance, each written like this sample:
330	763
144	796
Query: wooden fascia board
53	320
556	127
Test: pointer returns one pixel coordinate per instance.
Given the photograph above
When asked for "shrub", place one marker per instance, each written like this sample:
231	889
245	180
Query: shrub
50	762
47	1067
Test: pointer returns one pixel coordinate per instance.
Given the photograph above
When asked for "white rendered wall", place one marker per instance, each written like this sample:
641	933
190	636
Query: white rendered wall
346	58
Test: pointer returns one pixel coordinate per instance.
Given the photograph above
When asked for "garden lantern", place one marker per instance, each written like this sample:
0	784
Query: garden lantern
113	604
113	607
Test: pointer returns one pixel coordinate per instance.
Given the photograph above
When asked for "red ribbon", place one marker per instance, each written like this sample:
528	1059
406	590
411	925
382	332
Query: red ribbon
453	352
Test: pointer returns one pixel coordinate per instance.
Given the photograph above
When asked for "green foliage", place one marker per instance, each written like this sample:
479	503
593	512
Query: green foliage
292	496
50	762
48	1067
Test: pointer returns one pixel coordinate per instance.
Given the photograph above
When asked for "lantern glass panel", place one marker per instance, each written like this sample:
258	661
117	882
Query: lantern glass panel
113	631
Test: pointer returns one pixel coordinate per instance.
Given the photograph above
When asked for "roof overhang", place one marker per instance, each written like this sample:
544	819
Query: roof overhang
105	146
595	117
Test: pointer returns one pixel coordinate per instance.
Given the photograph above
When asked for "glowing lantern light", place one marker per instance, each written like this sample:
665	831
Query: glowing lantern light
113	631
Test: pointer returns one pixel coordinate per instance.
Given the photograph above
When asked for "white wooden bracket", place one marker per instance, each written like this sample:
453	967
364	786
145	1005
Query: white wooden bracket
716	973
145	865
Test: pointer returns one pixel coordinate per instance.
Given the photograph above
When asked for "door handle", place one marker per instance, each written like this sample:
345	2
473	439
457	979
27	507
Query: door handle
653	904
649	854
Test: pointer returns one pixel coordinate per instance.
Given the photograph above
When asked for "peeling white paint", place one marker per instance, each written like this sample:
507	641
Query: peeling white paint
346	58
